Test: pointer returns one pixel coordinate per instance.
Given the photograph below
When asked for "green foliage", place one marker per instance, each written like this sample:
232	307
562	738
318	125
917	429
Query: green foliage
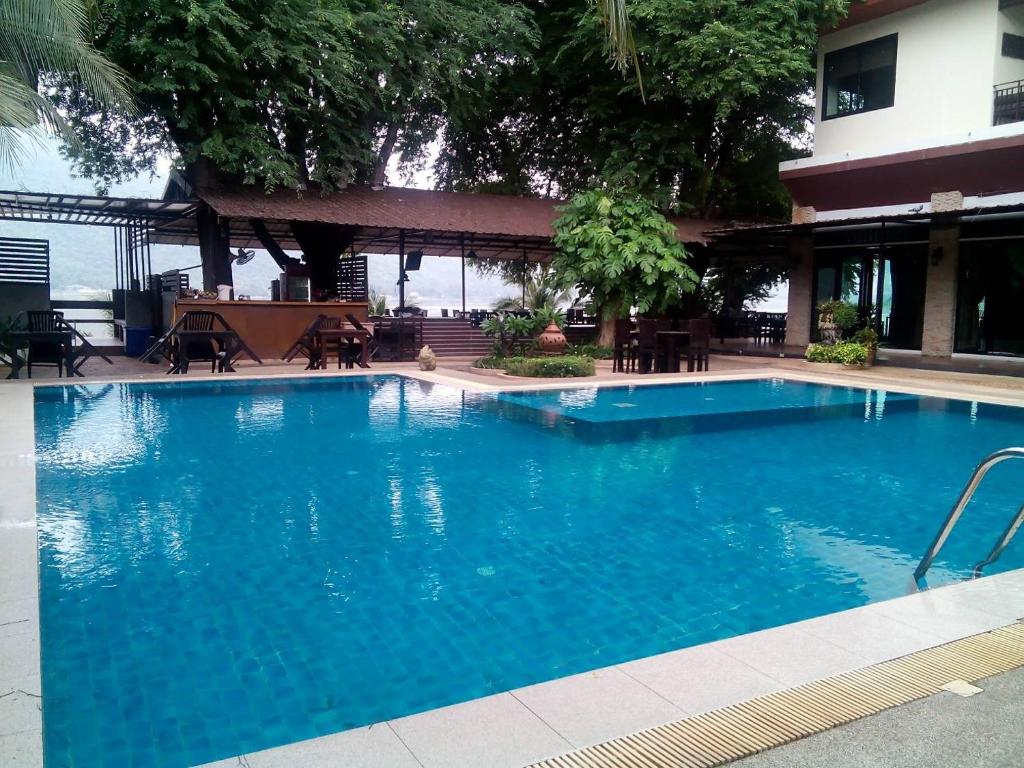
867	337
549	367
725	81
376	303
542	291
595	351
545	316
618	251
512	335
295	90
844	315
847	353
41	40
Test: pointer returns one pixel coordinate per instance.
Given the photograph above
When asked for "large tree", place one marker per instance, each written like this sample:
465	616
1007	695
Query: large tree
291	91
726	96
286	93
726	84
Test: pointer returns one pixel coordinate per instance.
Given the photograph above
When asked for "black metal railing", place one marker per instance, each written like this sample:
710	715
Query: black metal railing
1008	103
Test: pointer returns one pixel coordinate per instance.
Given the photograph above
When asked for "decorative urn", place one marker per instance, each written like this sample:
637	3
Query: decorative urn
427	359
551	340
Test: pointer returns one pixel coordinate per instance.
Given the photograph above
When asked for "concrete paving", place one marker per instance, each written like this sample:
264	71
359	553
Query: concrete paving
942	731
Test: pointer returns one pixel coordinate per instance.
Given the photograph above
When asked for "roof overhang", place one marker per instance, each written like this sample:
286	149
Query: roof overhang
862	11
988	167
91	210
756	233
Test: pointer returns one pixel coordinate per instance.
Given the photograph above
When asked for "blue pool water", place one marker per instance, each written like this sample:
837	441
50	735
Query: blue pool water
227	567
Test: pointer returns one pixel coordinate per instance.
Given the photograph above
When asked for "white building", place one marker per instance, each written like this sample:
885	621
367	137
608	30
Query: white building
912	204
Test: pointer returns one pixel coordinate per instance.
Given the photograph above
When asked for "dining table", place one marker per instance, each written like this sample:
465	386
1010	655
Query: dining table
673	342
324	337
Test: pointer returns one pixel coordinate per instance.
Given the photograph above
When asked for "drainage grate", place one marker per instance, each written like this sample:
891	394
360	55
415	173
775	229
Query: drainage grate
753	726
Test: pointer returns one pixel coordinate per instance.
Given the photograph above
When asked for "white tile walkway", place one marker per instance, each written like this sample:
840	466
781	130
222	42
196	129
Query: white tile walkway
21	728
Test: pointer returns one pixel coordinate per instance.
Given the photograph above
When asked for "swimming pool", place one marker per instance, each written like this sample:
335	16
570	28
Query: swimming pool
229	566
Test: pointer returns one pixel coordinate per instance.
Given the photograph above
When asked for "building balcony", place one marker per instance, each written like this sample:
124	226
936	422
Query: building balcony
1008	103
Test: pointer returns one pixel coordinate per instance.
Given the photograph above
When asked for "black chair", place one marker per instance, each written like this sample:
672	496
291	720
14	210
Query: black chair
697	355
444	313
49	351
371	341
198	350
648	352
623	357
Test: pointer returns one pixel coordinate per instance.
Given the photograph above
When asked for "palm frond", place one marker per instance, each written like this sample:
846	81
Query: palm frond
620	43
50	36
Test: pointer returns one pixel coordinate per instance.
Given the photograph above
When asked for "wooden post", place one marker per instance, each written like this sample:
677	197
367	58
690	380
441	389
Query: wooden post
401	269
462	246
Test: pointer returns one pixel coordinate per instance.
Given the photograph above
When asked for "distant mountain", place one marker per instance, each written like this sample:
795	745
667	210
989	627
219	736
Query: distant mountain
82	257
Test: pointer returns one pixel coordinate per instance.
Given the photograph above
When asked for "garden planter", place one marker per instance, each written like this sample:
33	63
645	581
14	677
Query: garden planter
552	341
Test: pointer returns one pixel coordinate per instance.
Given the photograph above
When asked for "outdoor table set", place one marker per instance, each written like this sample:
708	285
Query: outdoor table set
201	336
45	338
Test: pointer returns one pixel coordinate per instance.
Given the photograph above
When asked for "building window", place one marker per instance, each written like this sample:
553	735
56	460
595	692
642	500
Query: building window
1013	46
861	78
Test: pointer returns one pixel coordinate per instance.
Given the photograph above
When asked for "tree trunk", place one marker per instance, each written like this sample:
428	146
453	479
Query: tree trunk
214	243
380	170
609	313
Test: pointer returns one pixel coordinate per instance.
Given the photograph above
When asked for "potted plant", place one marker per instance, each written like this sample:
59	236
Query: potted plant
868	338
836	317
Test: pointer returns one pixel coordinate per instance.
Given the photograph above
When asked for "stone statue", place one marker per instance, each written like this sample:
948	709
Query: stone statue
427	359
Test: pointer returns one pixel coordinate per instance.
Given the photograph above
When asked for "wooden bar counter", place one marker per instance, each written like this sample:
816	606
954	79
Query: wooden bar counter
271	327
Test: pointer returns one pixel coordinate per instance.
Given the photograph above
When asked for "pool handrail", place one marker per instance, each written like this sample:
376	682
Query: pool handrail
954	516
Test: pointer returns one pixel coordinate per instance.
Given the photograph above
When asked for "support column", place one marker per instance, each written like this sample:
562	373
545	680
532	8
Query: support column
800	314
940	290
213	248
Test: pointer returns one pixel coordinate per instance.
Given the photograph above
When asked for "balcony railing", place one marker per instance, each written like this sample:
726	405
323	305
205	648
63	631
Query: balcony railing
1009	103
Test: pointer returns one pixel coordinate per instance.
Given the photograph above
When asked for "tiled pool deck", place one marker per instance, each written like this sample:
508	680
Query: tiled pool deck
538	722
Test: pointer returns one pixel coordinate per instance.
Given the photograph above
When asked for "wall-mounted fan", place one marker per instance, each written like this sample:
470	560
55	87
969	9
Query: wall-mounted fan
244	256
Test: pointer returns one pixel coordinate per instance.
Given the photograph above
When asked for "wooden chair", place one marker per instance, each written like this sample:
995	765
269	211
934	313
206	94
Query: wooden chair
697	356
46	351
306	343
371	341
198	350
623	357
648	353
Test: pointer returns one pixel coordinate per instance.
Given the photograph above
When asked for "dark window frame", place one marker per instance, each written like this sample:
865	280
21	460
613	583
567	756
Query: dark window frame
859	48
1013	46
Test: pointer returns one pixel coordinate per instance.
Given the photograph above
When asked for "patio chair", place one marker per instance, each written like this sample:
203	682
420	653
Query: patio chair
306	343
444	313
623	357
697	355
50	352
648	351
197	350
371	340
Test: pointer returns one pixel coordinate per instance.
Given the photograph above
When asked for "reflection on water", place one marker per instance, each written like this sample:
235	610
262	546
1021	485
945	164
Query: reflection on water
323	554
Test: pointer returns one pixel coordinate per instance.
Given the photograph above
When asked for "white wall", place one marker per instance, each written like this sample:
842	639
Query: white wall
945	70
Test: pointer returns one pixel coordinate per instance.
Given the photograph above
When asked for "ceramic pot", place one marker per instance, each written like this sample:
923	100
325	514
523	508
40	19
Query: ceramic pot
552	340
427	359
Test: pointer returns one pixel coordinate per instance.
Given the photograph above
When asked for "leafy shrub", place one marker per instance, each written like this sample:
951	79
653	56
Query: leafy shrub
847	353
844	315
494	362
511	334
595	351
562	367
867	337
544	316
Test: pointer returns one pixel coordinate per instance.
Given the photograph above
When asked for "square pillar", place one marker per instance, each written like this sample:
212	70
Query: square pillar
800	314
940	290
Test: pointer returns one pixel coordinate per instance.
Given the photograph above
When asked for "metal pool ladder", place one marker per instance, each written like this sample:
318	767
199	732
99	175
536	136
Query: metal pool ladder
965	496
